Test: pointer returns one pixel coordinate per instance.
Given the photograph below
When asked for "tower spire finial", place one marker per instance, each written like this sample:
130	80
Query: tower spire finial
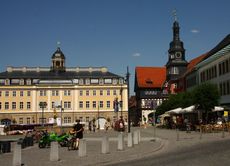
174	14
58	44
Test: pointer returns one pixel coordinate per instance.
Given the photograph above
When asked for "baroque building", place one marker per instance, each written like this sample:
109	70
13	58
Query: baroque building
69	93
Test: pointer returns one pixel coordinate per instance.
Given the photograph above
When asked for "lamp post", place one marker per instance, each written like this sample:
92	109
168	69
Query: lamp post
98	123
42	106
121	102
127	80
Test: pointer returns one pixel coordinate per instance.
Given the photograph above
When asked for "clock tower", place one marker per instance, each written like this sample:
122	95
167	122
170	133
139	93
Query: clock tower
176	64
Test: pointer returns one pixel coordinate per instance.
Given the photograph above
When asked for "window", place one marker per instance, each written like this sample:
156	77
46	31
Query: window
67	104
87	93
94	92
13	105
101	104
101	81
28	93
94	104
41	121
67	119
174	70
21	105
42	93
87	104
87	81
108	92
28	105
108	104
81	93
0	105
67	93
114	92
115	81
6	93
80	104
21	93
7	82
87	119
28	120
6	105
55	93
21	82
101	92
20	120
121	81
28	82
81	82
0	93
14	93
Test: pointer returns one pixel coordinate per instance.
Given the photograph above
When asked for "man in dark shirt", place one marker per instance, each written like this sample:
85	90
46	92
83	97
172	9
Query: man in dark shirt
78	129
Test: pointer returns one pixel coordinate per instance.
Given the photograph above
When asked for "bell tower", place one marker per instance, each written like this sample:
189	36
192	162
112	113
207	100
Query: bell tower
176	64
58	61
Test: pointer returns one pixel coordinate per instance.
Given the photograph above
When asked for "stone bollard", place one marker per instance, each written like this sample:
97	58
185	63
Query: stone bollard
105	145
177	134
120	145
82	148
139	136
54	151
200	133
130	140
17	155
136	137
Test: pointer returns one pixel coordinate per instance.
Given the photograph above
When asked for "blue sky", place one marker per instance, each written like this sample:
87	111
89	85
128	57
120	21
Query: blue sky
111	33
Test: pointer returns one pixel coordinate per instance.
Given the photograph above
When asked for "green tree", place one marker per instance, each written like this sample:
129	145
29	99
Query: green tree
206	96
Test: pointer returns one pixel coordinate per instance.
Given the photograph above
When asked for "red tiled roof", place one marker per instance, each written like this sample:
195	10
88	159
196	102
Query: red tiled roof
194	62
150	77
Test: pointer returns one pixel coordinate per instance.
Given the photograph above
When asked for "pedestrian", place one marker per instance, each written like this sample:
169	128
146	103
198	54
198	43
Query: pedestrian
90	125
78	130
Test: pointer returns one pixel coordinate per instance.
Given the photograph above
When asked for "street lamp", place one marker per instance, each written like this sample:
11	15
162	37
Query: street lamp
98	123
42	106
121	102
127	80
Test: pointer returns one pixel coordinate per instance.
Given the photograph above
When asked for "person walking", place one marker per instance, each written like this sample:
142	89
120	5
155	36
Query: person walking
78	130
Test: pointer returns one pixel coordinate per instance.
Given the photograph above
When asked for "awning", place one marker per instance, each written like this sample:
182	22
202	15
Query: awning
218	108
175	111
190	109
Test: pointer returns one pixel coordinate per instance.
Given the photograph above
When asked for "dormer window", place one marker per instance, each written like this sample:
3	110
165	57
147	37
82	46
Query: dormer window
148	81
21	82
28	81
7	82
114	81
101	82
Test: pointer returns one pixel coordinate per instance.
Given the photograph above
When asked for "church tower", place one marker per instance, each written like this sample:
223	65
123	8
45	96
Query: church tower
58	61
176	64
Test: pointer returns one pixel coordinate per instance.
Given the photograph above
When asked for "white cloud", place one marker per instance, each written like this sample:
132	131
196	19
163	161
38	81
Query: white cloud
195	31
137	54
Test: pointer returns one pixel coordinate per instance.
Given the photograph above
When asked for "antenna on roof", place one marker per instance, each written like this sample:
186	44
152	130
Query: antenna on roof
174	14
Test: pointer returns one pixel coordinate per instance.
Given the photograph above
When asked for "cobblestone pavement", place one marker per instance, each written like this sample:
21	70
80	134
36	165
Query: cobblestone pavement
164	141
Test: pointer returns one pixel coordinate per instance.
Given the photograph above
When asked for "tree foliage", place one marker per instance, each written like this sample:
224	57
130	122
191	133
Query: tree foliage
205	95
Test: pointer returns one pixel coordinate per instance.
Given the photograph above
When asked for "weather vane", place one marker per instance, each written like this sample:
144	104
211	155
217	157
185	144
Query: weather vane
174	14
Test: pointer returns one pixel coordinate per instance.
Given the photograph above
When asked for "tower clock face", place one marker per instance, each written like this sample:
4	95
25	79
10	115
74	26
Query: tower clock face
178	54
